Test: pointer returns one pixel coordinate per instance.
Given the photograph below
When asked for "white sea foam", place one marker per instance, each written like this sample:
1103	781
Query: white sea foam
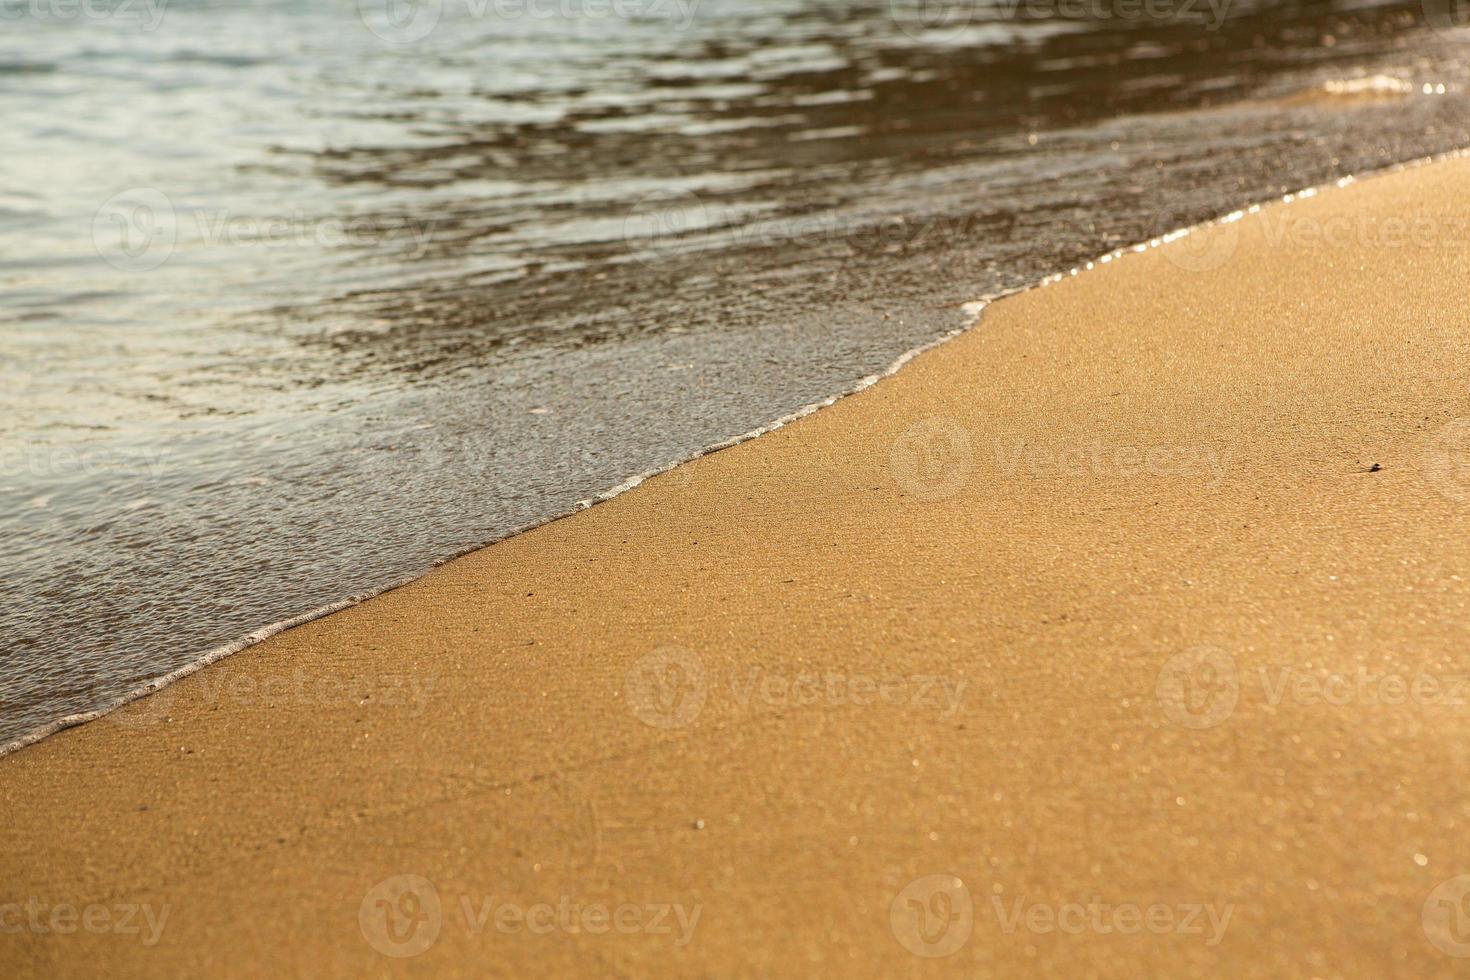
1370	85
972	312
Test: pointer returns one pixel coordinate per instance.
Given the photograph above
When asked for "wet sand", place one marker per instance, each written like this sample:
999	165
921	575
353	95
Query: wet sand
1123	634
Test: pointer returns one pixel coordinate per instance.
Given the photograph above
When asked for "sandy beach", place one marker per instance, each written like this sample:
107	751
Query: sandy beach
1122	635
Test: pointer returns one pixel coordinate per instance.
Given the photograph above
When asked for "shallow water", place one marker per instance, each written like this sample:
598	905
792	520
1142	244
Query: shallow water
292	309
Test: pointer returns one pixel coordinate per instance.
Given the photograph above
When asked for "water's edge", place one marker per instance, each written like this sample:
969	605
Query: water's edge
972	312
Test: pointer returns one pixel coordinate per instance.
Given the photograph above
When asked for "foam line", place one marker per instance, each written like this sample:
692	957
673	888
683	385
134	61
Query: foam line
972	311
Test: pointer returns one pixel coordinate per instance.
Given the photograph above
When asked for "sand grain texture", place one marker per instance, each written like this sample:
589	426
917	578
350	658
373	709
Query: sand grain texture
1029	517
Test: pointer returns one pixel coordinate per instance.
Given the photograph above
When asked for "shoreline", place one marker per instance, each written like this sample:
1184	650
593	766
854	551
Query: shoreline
1121	634
973	313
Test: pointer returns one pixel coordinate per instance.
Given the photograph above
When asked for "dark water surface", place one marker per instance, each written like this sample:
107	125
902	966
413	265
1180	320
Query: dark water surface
299	298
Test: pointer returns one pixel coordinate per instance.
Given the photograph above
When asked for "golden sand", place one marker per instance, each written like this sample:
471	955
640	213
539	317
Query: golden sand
1092	642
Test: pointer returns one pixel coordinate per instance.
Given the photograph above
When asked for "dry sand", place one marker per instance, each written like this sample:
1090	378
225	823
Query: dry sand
1089	643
